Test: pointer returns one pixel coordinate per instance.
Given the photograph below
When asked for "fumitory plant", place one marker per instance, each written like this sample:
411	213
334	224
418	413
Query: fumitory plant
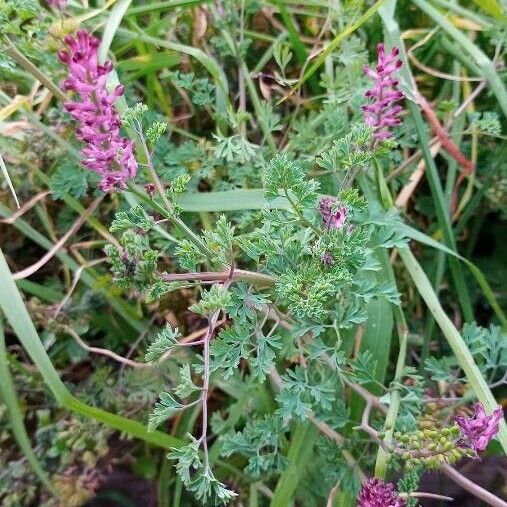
264	267
287	290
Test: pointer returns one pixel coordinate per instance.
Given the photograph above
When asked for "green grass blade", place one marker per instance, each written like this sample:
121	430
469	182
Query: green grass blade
113	22
14	309
3	167
336	42
492	7
228	200
299	455
466	13
9	398
437	192
456	342
486	65
297	44
165	6
44	293
478	274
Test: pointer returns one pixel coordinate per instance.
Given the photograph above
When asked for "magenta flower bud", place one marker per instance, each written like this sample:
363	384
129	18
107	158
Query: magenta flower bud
376	493
332	214
106	152
480	429
382	114
327	259
57	4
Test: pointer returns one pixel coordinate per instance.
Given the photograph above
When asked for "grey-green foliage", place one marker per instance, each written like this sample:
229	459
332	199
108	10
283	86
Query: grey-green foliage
136	218
165	341
70	179
240	342
489	348
165	408
261	441
197	477
201	89
351	151
321	281
219	240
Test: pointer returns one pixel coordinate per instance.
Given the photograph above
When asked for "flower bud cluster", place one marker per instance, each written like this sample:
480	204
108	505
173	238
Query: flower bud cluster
431	448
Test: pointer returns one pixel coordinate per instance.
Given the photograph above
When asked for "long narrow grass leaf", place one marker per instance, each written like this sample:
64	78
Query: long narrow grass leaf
14	309
8	180
456	342
331	47
9	398
481	59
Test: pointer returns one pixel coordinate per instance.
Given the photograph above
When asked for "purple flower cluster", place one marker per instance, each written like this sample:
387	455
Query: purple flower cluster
382	114
478	430
376	493
106	152
332	214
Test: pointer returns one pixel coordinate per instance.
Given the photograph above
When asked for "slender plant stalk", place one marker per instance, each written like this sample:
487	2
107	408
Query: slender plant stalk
394	402
24	62
473	488
212	276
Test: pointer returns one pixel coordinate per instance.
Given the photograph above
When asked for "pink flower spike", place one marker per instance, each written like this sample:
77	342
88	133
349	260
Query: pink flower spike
480	429
106	152
376	493
382	114
332	214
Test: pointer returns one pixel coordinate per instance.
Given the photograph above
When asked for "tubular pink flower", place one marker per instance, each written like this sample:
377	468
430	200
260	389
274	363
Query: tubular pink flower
332	214
480	429
382	113
106	152
376	493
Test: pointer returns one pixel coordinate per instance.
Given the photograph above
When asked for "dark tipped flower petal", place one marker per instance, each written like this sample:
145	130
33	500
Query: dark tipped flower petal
376	493
382	114
106	152
479	429
333	215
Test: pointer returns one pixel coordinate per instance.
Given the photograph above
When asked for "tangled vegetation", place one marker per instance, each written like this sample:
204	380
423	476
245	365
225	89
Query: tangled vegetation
252	252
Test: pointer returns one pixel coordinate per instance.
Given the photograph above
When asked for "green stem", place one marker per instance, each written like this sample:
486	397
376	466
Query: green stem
20	59
196	240
395	399
214	276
